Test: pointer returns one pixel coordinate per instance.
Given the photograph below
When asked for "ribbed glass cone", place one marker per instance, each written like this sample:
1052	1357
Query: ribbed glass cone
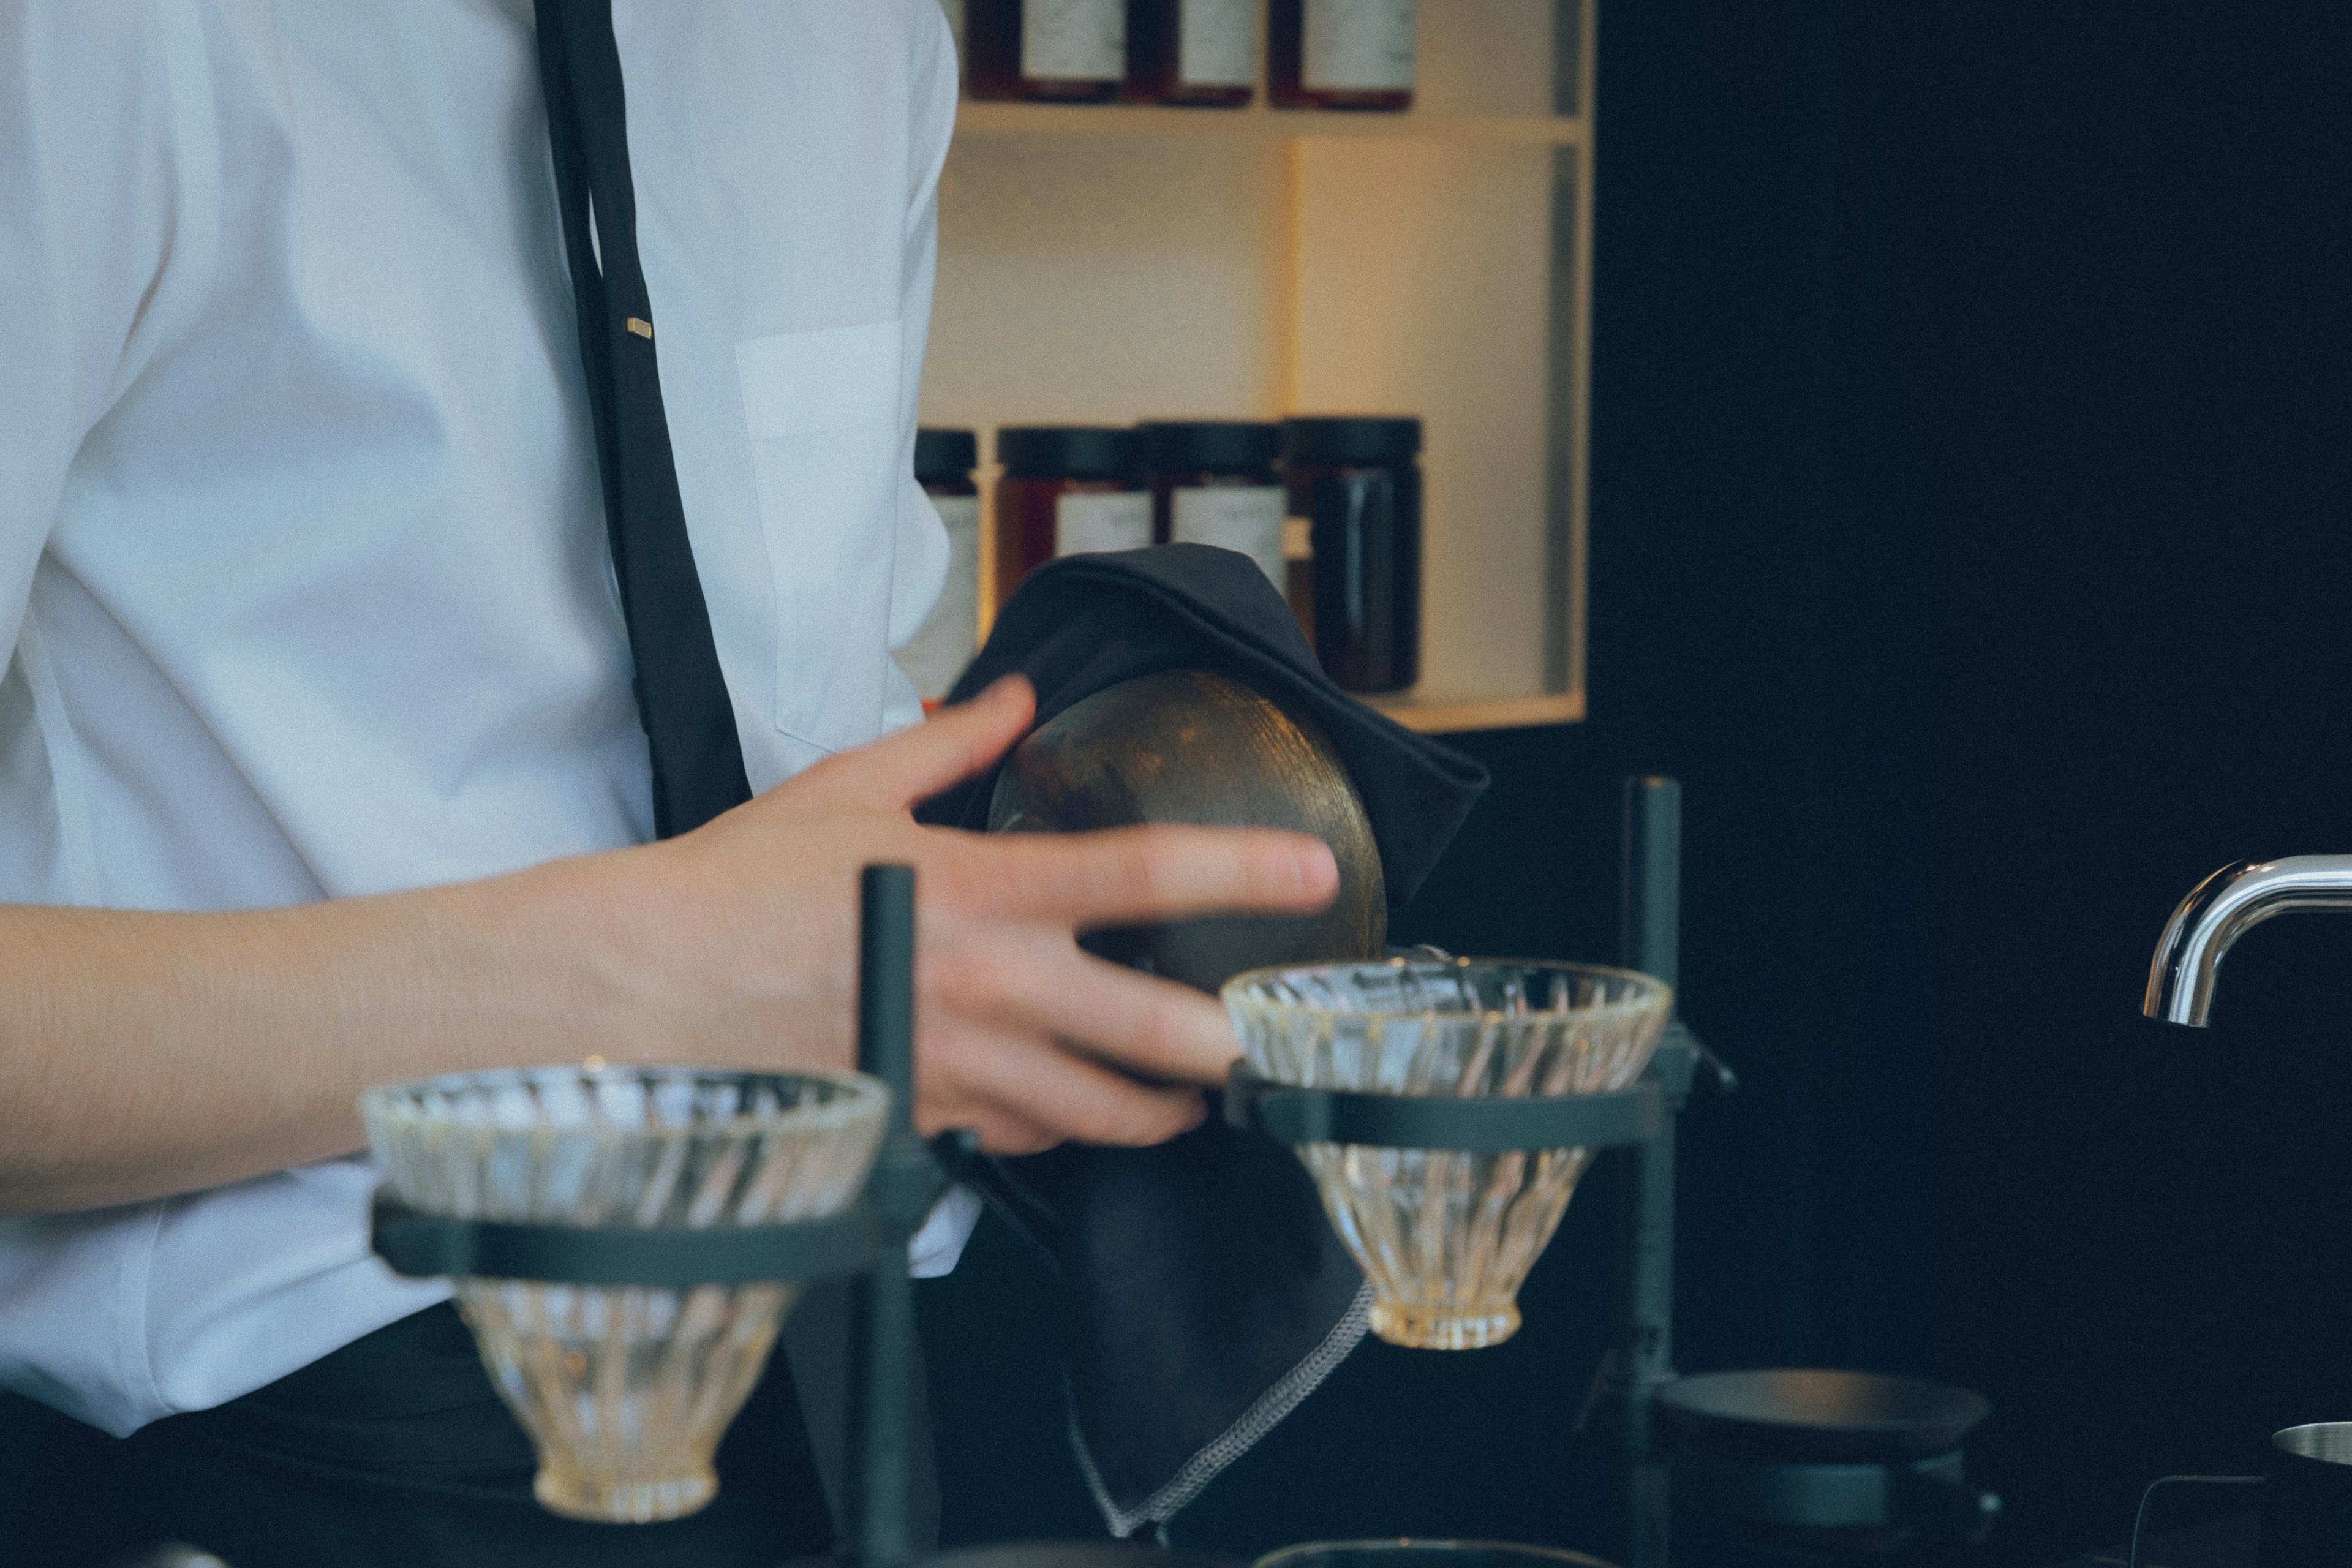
1446	1238
626	1389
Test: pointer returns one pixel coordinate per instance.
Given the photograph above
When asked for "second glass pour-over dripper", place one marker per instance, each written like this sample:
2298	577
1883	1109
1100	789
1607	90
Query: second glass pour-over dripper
627	1389
1446	1236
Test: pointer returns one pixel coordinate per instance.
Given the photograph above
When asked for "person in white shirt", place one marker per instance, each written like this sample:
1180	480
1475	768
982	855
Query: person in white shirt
319	764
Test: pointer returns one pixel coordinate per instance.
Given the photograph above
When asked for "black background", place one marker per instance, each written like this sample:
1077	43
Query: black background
1968	467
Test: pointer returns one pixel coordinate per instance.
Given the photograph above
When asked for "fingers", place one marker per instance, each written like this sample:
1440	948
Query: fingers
1022	1093
1126	875
943	751
1133	1022
1000	1131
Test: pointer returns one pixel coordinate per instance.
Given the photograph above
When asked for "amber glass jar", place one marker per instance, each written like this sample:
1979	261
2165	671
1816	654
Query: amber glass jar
1202	54
1060	51
1339	54
1358	483
1068	490
1213	482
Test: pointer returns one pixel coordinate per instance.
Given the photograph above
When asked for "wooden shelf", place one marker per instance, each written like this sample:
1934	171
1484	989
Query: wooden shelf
1260	123
1107	263
1446	716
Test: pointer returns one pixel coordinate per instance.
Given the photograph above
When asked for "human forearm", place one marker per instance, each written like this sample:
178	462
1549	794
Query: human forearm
145	1054
142	1054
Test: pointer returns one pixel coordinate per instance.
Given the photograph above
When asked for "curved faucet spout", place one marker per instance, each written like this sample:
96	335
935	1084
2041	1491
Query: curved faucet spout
2220	910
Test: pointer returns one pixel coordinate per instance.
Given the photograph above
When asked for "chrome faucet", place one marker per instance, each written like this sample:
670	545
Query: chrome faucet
2222	908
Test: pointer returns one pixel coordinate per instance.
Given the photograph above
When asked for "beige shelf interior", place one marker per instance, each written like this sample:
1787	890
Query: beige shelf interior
1104	264
1258	123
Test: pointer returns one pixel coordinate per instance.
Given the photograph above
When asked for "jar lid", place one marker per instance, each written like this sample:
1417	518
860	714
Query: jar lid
1360	439
945	454
1210	446
1069	452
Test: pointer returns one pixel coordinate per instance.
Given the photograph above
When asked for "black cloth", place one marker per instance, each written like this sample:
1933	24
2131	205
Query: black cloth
395	1452
1086	622
1204	1293
689	721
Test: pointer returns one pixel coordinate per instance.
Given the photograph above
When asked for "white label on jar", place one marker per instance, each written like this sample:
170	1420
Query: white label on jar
1085	523
1357	46
1247	518
1074	40
1217	43
944	643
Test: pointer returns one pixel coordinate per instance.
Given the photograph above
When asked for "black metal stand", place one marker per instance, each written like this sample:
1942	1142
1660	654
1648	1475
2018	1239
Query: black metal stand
426	1246
907	1179
1641	1118
1650	917
867	1239
1290	1114
1650	922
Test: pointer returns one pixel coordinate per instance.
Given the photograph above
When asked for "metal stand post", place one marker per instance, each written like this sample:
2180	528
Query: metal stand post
882	1332
1651	918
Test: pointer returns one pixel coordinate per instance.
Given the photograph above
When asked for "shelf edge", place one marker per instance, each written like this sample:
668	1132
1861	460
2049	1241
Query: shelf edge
1453	717
992	119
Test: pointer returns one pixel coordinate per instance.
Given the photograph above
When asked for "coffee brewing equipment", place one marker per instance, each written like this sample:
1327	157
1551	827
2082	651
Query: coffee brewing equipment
1823	1464
700	1231
647	1229
2307	1488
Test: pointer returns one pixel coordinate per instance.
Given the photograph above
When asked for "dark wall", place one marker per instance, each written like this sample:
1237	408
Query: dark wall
1969	453
2117	307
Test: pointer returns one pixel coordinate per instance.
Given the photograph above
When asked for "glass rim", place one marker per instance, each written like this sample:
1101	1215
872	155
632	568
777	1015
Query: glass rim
398	1102
1282	1556
1233	991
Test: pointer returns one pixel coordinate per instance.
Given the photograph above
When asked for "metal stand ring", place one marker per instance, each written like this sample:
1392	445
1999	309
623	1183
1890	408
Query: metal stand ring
1498	1125
426	1245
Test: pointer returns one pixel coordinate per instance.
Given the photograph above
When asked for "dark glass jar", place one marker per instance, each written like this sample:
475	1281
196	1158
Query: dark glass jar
1055	51
949	635
1299	575
1067	490
1339	54
1202	54
1359	485
1213	482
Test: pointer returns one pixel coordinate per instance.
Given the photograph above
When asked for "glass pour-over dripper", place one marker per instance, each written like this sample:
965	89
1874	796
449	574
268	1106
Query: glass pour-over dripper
625	1389
1446	1236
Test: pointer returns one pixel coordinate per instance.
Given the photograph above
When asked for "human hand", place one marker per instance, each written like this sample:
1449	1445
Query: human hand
1019	1034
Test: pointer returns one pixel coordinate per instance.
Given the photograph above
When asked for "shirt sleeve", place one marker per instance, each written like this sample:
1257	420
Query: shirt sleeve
922	549
109	208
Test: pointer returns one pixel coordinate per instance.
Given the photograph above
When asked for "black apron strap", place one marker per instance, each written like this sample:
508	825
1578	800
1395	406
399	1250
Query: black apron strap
698	756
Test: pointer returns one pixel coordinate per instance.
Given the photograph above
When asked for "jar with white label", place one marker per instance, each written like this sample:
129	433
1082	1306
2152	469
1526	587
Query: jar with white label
1213	482
1339	54
1068	490
1201	53
946	640
1063	51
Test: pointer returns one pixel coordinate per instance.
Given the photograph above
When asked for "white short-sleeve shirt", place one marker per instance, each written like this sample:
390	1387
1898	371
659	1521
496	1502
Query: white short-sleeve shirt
302	560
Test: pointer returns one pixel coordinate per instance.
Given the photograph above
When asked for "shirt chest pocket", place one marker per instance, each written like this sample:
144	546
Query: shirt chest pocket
823	411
